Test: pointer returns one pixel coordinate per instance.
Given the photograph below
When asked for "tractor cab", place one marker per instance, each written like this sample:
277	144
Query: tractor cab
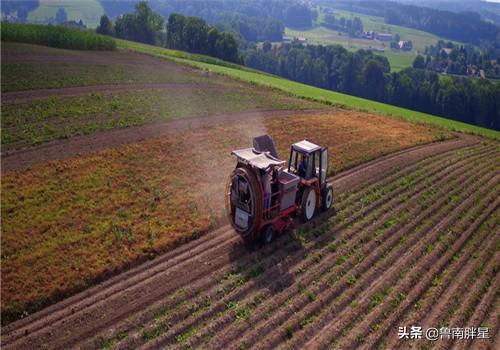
310	162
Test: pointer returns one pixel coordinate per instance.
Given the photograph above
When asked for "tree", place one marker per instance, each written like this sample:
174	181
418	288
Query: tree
61	16
195	35
227	48
419	62
175	30
148	23
212	37
329	18
143	25
105	26
266	46
373	81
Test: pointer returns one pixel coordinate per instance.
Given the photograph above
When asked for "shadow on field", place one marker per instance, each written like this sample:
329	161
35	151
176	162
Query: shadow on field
268	264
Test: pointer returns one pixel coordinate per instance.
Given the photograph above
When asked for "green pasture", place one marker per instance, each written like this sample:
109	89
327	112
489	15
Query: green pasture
89	11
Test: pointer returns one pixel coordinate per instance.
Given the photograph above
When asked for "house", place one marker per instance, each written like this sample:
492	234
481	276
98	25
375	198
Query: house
405	45
383	36
370	35
446	50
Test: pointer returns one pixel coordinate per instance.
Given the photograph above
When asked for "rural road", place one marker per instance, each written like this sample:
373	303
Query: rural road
29	95
103	307
77	145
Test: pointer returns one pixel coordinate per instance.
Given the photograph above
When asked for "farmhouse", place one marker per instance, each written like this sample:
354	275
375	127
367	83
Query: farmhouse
405	45
383	36
370	35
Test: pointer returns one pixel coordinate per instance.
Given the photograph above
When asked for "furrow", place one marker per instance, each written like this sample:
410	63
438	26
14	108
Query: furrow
271	326
391	309
396	319
482	150
470	300
281	300
327	331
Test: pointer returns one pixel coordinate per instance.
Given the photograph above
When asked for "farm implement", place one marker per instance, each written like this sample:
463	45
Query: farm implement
263	196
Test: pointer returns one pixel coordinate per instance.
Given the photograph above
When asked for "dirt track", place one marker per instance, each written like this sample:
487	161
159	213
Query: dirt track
67	148
196	294
29	95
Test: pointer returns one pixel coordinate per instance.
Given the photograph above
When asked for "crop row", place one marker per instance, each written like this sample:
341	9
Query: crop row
183	320
368	281
315	255
370	190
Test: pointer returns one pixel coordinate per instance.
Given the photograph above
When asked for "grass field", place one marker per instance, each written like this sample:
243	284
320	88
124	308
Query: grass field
419	38
398	60
324	36
68	223
89	11
310	92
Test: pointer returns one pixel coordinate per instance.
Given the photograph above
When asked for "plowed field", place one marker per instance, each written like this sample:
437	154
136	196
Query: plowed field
413	239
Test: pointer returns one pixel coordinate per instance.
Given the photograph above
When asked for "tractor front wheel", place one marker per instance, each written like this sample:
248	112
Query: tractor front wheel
308	203
327	200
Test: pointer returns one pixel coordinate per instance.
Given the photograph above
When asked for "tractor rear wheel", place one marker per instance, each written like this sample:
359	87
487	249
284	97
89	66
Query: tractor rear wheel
308	203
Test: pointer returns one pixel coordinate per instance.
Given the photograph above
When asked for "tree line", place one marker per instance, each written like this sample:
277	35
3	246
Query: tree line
364	74
190	34
250	20
351	26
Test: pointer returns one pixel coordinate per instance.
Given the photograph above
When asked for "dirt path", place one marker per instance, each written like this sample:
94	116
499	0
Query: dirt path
100	308
63	149
28	95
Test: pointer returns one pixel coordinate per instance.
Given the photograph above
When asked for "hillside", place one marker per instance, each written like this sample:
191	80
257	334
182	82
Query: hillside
321	34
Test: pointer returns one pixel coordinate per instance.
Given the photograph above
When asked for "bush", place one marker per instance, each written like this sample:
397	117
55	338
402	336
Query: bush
66	38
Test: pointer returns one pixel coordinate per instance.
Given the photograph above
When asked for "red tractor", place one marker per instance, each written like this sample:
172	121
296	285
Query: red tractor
263	196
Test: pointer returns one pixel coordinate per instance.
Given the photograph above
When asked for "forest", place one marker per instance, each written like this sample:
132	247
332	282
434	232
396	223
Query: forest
364	74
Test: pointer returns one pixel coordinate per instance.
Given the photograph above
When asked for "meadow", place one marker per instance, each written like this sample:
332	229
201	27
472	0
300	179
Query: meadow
89	11
398	59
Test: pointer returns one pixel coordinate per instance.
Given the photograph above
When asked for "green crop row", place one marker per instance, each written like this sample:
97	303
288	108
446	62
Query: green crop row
55	36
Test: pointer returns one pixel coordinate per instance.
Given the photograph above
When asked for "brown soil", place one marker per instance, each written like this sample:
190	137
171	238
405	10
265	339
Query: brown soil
27	95
368	284
135	292
248	291
77	145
